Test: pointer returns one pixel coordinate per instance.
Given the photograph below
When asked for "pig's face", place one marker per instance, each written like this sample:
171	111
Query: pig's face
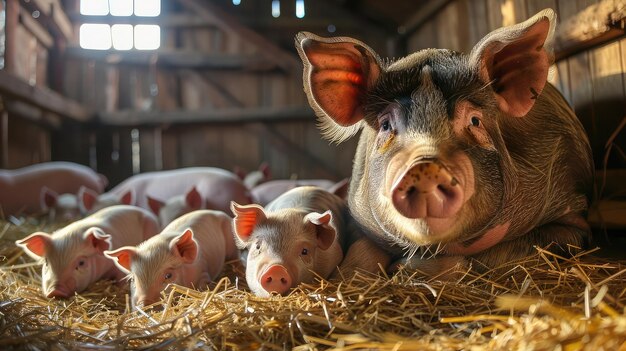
431	165
155	264
284	247
70	263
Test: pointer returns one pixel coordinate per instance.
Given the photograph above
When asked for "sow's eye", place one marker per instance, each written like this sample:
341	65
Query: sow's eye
304	252
469	121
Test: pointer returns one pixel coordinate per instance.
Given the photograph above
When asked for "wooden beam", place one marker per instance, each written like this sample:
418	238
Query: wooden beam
593	26
422	16
182	20
36	29
35	114
206	116
15	88
212	13
178	59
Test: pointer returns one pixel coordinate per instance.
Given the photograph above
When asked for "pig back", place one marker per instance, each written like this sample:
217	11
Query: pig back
127	225
213	233
21	188
551	168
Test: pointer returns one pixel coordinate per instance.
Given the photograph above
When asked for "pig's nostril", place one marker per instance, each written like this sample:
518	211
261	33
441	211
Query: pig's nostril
269	279
283	280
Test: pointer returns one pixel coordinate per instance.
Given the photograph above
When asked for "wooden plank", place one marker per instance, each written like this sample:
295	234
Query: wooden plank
609	99
293	150
425	14
10	42
226	22
593	25
582	98
177	59
4	139
478	21
52	17
494	13
44	98
225	115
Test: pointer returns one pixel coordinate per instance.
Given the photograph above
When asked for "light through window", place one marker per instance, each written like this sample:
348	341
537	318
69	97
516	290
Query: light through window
121	36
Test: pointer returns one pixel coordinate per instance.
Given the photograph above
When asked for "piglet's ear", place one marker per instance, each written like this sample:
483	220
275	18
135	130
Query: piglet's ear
246	218
98	239
47	198
185	246
516	61
193	199
154	204
86	199
122	257
128	198
325	231
35	244
338	73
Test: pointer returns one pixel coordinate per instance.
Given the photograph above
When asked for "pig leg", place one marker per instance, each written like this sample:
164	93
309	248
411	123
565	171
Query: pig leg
570	233
363	254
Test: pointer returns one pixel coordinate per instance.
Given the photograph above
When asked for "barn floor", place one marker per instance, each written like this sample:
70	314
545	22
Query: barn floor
540	303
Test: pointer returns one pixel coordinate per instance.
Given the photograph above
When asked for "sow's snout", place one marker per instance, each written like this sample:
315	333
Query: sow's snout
427	189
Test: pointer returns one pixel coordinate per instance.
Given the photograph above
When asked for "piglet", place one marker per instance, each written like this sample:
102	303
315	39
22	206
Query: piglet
190	251
73	257
22	190
298	235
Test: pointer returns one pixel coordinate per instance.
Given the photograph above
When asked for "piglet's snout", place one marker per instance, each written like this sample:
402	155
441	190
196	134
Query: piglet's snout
58	291
427	190
276	279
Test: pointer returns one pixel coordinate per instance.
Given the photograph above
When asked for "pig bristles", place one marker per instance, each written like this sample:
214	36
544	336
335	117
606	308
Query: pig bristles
542	302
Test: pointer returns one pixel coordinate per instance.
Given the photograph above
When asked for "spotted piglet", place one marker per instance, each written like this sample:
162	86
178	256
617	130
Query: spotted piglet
73	257
298	235
190	251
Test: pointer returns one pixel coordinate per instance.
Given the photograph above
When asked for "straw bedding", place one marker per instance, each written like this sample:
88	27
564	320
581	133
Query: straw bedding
540	303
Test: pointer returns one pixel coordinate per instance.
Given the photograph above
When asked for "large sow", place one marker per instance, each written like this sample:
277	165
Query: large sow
460	155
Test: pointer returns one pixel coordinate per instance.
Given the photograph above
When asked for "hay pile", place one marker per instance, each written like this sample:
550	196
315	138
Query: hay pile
540	303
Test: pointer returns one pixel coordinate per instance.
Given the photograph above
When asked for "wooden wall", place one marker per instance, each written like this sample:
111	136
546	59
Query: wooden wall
591	77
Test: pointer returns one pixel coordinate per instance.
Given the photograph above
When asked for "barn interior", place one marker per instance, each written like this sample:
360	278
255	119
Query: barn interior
126	89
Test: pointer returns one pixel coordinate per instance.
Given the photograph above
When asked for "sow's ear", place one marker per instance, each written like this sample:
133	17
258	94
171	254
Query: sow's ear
326	233
246	218
516	60
86	199
47	198
338	73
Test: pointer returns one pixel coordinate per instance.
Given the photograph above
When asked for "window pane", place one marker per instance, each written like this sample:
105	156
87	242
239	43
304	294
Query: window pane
95	36
148	8
94	7
147	37
300	8
121	7
122	35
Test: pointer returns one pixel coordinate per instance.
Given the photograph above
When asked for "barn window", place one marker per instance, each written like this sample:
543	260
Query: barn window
122	35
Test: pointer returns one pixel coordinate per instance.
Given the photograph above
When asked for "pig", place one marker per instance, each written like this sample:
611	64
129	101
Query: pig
461	157
34	188
73	256
298	235
190	251
90	201
256	177
172	193
266	192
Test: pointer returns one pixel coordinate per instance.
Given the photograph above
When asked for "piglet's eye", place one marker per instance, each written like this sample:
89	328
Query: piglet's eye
81	264
258	246
305	252
168	276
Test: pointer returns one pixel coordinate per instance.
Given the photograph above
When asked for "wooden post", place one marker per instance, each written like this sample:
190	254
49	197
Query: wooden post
4	138
10	47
